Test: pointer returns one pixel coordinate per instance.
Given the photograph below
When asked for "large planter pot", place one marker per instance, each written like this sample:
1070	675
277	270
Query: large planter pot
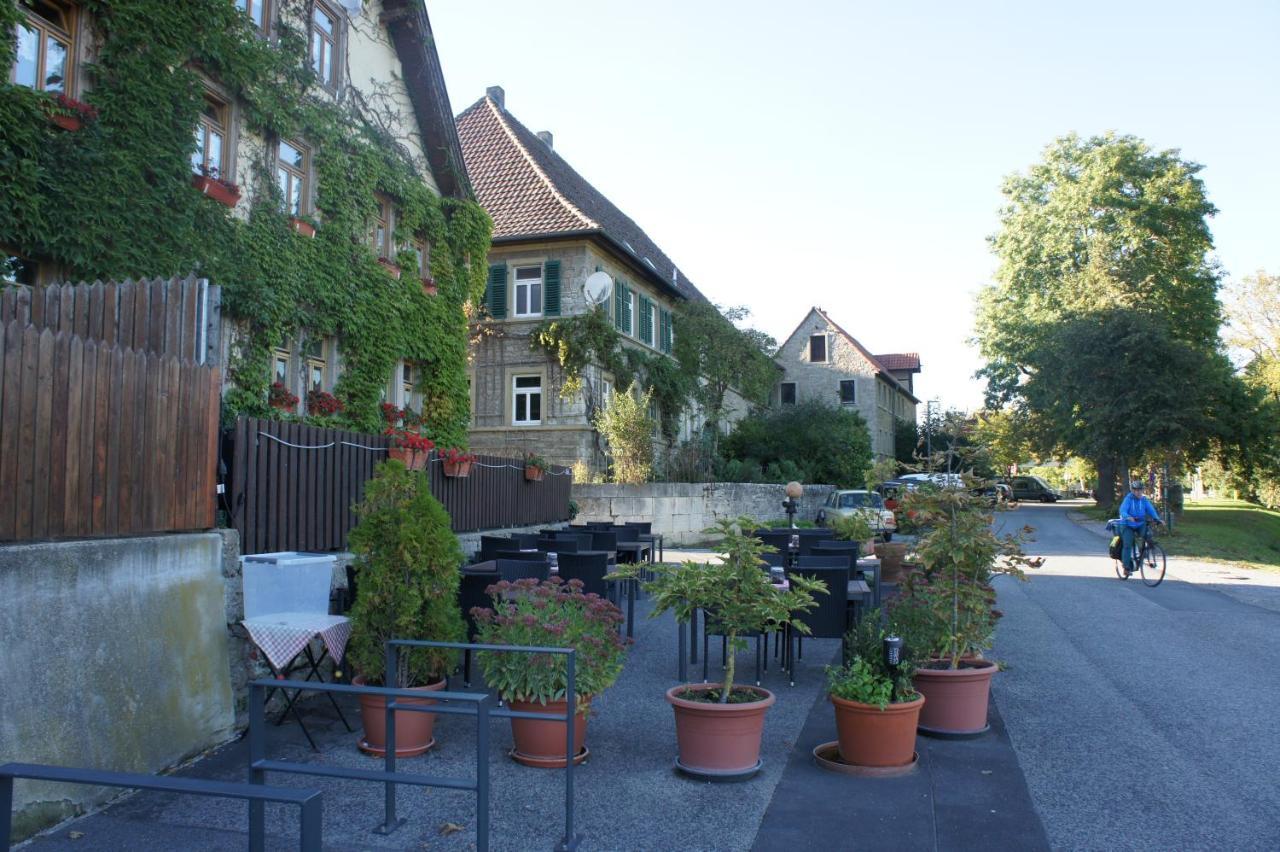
302	226
869	736
70	123
533	473
390	266
891	555
413	459
460	470
955	699
413	729
718	739
541	742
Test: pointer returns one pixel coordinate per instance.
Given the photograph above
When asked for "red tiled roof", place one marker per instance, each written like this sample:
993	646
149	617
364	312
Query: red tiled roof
530	191
900	361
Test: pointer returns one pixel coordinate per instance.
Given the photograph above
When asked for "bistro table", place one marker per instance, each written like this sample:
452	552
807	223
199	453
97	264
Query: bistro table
283	636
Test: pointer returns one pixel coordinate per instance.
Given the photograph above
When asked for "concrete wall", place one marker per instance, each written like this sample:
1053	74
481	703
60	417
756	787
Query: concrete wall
114	656
682	510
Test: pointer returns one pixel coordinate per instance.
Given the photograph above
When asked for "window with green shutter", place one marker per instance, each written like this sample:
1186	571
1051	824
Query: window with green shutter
646	319
495	296
664	330
626	312
551	288
619	296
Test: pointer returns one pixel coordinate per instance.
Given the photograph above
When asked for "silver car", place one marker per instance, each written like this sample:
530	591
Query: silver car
869	504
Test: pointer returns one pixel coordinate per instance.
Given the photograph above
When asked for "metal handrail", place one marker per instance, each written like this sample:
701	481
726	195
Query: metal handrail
310	801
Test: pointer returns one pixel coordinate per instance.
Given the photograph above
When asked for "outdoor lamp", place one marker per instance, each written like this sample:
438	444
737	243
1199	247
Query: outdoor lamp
893	651
793	490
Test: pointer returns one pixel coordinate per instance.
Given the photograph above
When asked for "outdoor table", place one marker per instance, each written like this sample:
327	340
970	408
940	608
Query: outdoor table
283	636
860	595
639	550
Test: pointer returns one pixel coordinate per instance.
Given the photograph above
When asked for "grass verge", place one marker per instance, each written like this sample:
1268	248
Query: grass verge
1229	531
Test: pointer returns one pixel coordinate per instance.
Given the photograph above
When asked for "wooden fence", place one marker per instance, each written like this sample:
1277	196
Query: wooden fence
292	487
99	439
178	317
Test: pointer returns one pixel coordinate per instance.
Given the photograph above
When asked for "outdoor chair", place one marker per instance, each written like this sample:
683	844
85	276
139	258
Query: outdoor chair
590	567
558	545
645	527
491	544
710	627
830	619
523	569
821	548
601	540
811	538
774	560
527	555
525	540
471	593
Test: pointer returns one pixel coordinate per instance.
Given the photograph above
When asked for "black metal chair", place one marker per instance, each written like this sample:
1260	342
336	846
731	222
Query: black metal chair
811	537
524	540
528	555
710	627
491	544
524	569
823	547
559	545
602	540
471	593
645	527
830	619
588	566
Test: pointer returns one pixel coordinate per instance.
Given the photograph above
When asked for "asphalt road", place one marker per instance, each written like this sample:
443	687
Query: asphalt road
1142	718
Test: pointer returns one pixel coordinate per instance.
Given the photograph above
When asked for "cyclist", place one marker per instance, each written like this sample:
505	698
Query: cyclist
1134	512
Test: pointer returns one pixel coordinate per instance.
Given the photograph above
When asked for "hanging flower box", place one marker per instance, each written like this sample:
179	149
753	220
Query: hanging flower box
219	191
535	467
390	266
69	113
412	448
457	463
429	286
281	398
302	226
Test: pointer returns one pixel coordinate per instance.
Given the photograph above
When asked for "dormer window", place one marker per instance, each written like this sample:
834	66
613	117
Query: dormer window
44	48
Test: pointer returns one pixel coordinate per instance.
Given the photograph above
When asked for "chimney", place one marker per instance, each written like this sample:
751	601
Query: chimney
545	136
495	94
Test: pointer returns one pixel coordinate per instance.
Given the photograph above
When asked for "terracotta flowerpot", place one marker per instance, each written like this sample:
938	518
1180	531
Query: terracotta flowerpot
541	743
302	226
71	123
460	470
413	459
718	738
429	287
217	190
956	699
891	554
413	729
870	736
389	266
533	473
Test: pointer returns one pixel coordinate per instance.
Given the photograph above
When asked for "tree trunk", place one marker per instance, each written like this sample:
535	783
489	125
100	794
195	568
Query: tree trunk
1105	496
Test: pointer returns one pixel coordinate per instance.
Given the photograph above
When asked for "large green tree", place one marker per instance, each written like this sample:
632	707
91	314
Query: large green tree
719	357
1101	226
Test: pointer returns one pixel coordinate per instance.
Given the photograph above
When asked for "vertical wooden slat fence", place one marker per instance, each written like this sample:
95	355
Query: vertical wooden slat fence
300	497
101	440
178	317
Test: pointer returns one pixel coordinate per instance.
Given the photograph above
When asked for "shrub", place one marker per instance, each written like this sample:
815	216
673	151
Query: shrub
625	423
811	442
407	562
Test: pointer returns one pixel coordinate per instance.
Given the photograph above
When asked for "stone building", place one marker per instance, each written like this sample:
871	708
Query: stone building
821	361
551	231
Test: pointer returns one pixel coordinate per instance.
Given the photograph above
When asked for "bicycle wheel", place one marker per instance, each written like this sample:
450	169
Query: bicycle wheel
1119	566
1153	564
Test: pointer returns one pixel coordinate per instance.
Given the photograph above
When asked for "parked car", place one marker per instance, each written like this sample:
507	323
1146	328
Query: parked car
1033	488
942	480
997	494
867	503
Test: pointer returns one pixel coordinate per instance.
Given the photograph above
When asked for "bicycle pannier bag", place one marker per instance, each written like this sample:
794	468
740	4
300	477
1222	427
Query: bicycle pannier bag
1116	550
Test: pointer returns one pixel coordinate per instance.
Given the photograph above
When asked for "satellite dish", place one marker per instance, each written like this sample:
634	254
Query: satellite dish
597	287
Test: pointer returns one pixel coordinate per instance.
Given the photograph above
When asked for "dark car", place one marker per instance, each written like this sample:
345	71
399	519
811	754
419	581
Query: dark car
1033	488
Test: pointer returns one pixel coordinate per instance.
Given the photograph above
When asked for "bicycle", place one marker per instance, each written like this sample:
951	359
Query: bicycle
1147	555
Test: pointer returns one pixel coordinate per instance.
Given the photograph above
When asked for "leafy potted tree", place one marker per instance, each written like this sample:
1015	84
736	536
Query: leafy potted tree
719	725
876	706
535	466
947	607
407	562
549	614
457	462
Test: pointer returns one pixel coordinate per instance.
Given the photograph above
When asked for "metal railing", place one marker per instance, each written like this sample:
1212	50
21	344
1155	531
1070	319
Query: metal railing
478	704
310	801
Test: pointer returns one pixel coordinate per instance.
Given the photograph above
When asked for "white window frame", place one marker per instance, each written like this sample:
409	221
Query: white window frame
826	348
528	393
528	285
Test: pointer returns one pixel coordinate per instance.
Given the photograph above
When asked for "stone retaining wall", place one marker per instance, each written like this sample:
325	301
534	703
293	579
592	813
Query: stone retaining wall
680	511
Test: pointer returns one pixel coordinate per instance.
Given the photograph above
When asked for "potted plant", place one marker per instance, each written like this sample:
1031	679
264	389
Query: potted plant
876	706
69	113
457	462
279	397
304	226
853	527
549	614
209	183
535	466
719	725
322	403
947	606
429	286
408	442
407	561
390	265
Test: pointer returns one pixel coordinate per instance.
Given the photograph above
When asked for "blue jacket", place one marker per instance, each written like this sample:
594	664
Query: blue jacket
1138	507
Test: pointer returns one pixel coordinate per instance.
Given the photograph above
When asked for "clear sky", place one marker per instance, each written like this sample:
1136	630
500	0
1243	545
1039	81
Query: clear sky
850	154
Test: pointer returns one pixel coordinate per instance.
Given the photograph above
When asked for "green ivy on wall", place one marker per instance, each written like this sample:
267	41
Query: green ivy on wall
115	200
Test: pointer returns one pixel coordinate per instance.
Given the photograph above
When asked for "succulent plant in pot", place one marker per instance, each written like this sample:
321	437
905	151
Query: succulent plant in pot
948	607
535	466
719	725
407	561
876	705
557	615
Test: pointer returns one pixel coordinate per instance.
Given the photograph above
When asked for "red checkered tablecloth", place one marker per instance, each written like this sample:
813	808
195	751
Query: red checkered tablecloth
282	636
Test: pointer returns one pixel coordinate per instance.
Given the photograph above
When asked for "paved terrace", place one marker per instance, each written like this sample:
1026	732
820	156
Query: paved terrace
963	795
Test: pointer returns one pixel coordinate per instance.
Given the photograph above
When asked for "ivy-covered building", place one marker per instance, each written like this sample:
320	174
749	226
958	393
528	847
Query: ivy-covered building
823	362
553	230
301	154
